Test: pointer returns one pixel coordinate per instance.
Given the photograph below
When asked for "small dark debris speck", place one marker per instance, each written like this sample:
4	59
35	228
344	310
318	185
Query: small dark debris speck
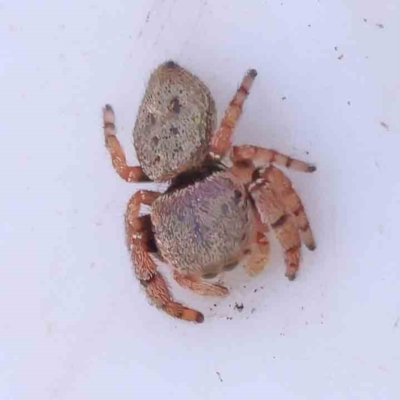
340	57
255	290
349	103
219	376
284	98
239	307
365	20
380	26
335	48
384	125
215	305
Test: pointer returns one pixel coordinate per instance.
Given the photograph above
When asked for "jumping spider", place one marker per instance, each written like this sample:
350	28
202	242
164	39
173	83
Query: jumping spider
212	215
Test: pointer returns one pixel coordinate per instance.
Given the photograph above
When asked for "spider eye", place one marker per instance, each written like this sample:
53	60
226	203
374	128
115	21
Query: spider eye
175	106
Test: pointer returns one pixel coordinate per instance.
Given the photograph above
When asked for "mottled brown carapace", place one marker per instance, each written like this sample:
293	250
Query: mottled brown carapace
220	200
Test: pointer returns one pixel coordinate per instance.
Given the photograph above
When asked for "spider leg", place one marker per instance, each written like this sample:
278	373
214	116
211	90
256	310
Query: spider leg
272	211
287	195
259	249
144	265
118	159
265	156
221	140
199	285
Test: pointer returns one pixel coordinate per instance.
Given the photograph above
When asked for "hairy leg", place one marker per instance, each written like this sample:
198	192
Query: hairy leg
118	159
273	212
144	265
287	195
199	285
221	140
259	249
260	155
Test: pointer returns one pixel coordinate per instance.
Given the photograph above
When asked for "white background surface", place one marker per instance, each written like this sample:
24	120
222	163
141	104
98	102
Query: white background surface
74	323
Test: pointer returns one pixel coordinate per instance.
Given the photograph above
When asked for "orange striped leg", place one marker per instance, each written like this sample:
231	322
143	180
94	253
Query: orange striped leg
130	174
144	265
287	195
199	285
221	140
260	155
259	250
273	212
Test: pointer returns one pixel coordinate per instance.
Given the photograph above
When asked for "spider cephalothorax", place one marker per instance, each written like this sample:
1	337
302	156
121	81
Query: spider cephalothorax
212	216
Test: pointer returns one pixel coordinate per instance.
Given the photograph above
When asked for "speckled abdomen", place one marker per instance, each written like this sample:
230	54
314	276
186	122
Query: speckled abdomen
204	227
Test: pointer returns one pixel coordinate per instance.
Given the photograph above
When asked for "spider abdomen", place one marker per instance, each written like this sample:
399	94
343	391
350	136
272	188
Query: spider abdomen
201	228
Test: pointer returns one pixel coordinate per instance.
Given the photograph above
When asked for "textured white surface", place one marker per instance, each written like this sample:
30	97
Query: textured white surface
74	323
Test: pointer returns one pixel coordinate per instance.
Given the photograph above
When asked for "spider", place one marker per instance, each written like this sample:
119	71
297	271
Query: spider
221	199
